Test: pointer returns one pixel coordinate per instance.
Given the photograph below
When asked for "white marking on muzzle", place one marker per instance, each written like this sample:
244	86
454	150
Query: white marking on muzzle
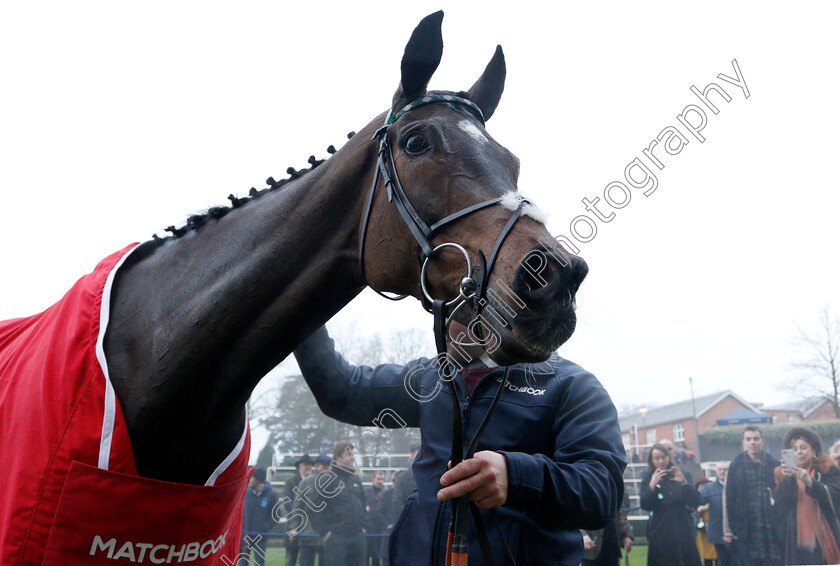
511	201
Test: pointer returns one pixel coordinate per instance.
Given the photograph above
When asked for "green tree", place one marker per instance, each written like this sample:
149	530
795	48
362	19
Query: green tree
266	456
296	424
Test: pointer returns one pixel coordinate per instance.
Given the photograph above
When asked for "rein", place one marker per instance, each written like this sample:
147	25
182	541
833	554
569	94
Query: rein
457	547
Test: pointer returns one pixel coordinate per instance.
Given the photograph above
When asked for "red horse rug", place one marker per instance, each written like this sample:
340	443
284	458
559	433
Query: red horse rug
69	490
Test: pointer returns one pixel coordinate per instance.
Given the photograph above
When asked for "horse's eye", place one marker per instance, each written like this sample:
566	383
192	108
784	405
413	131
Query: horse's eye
416	144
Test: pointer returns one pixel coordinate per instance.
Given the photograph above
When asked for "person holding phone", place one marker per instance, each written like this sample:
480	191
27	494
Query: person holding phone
807	494
666	493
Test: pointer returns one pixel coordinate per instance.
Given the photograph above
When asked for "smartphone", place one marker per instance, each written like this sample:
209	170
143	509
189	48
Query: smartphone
787	458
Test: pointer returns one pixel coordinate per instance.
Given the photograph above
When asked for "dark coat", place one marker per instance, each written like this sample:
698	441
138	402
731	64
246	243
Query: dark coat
306	487
672	534
559	436
608	542
376	520
737	492
290	484
256	514
825	488
712	493
344	513
403	487
384	507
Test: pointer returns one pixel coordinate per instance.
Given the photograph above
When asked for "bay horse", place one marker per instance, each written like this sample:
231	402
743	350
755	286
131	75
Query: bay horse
198	318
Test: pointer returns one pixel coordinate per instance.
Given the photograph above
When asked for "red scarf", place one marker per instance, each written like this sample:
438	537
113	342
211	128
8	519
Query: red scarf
812	528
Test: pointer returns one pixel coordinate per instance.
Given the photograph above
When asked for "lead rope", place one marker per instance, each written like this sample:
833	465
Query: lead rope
457	543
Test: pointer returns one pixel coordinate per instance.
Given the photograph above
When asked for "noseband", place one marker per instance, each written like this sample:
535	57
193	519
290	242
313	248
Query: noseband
457	546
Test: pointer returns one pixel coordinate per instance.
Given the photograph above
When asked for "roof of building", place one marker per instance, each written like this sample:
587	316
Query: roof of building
678	411
742	415
805	407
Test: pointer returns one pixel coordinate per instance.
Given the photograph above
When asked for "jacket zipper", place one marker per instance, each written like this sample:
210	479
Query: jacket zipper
467	396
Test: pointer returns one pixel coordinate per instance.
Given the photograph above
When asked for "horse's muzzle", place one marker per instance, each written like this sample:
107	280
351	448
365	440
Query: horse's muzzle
548	279
544	287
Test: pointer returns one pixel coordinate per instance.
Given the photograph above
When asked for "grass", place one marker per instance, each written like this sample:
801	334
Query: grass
638	557
279	560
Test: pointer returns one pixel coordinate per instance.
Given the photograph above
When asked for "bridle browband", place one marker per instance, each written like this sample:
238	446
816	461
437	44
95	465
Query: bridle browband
469	290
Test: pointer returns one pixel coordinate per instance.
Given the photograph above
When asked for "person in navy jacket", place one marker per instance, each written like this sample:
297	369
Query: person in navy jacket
260	499
713	494
550	461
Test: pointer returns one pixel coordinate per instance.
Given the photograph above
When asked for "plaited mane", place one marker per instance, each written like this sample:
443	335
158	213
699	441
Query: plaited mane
196	221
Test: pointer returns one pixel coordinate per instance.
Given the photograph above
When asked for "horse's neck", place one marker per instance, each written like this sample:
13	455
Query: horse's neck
201	319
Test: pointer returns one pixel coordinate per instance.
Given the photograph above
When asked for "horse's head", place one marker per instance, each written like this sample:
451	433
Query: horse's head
437	160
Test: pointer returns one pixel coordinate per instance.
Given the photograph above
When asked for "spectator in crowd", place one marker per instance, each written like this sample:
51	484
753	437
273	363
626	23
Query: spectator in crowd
308	540
749	490
675	461
376	521
672	450
834	451
304	468
708	553
603	547
549	463
384	509
342	520
666	494
404	485
260	499
717	525
807	496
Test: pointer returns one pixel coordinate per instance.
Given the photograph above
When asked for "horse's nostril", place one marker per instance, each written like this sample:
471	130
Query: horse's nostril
542	277
579	271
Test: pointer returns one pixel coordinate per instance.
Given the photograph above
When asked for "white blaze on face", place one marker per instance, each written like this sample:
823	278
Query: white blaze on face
511	201
473	131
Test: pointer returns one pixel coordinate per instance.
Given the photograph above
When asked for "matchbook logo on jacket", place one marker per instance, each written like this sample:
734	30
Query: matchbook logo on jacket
522	389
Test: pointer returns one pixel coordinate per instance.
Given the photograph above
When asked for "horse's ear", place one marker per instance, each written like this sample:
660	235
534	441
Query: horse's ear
420	60
487	90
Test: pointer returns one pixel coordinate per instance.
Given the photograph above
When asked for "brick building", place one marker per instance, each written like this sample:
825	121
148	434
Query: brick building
805	410
676	421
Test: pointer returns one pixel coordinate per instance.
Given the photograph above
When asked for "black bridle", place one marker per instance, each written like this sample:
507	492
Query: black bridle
469	290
